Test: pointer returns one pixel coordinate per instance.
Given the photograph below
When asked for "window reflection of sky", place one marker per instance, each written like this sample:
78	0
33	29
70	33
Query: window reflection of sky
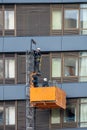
71	14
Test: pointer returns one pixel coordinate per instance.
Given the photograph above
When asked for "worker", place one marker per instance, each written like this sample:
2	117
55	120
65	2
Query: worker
37	59
35	80
45	82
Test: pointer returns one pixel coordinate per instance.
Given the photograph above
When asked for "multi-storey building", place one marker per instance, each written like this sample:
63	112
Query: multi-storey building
59	27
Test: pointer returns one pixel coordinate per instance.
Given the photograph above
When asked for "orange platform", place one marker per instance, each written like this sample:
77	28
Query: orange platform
47	97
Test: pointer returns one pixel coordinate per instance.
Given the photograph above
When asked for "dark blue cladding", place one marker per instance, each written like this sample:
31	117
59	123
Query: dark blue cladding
41	1
18	92
75	90
12	92
50	43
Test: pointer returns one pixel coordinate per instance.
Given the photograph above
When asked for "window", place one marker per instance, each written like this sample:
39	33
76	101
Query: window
1	20
71	19
83	66
74	116
70	66
83	113
56	19
55	116
1	69
10	115
56	67
9	68
83	18
1	115
70	113
9	19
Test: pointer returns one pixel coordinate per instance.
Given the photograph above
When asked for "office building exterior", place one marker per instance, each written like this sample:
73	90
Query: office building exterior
59	28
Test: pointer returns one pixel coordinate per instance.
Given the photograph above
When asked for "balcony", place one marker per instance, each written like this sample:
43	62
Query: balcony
47	97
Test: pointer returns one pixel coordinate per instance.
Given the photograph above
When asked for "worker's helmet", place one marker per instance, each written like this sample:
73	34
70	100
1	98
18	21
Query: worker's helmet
38	49
45	79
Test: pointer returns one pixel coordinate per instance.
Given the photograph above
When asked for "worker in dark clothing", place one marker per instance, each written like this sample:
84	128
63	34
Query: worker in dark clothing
35	80
37	59
45	83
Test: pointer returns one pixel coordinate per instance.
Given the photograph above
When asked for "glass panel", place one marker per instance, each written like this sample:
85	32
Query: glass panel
71	18
83	124
1	69
9	68
10	115
9	19
82	79
83	32
1	20
83	18
56	67
83	5
56	19
70	66
70	114
1	115
55	117
83	53
83	100
83	66
83	113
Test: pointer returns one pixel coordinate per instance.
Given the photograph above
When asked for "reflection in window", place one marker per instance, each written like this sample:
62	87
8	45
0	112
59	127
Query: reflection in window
56	67
1	69
83	18
9	19
70	114
1	115
83	66
56	19
71	19
83	113
9	68
70	66
10	115
1	20
55	116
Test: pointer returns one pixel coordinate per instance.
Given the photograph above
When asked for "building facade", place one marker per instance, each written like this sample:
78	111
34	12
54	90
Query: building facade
59	27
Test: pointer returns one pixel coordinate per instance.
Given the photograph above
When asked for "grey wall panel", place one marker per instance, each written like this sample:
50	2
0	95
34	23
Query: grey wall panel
1	93
72	43
15	44
73	1
41	1
32	1
1	45
1	1
22	44
14	92
75	89
49	43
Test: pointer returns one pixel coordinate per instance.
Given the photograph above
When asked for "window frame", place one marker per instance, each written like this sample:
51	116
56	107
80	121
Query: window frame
80	57
8	28
69	56
59	58
8	59
56	9
82	103
8	114
77	19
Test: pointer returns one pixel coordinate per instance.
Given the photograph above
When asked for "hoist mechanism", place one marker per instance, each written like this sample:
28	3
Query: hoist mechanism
44	96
